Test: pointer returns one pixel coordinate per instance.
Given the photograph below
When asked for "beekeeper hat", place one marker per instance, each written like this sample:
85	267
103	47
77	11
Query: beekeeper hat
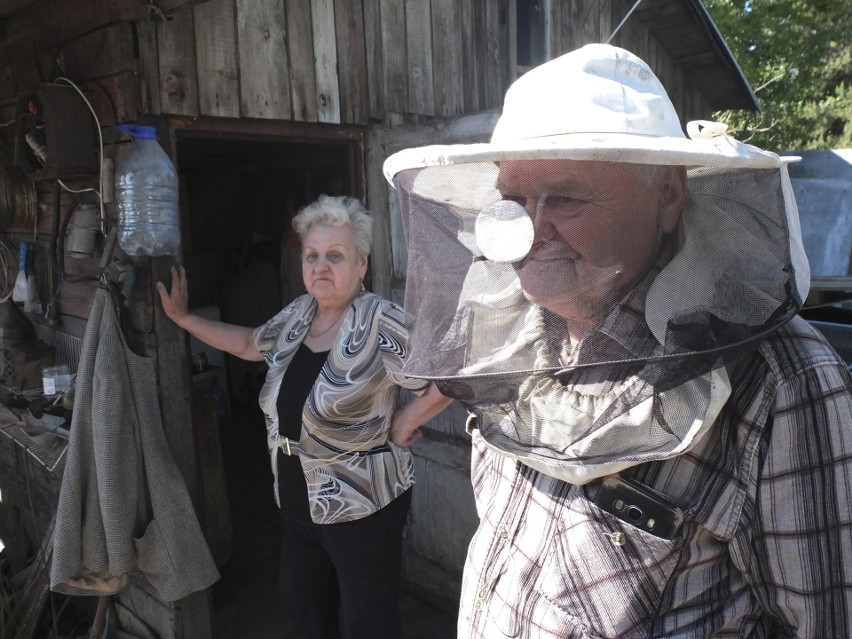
598	102
624	391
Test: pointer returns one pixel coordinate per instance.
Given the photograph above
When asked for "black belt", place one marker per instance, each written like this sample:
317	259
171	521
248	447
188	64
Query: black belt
289	446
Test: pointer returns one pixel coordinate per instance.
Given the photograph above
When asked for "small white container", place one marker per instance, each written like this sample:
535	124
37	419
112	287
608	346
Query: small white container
55	380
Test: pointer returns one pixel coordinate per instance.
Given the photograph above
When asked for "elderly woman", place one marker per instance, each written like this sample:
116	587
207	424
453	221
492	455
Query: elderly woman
335	359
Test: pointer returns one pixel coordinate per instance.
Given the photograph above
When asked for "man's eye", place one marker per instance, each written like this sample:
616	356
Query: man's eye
561	200
518	199
564	205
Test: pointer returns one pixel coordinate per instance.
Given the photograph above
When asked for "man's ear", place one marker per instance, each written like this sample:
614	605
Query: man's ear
674	199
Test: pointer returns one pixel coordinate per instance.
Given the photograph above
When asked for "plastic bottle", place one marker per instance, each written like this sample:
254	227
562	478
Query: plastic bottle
146	190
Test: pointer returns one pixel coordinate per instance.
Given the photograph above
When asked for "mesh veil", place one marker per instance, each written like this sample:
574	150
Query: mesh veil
647	374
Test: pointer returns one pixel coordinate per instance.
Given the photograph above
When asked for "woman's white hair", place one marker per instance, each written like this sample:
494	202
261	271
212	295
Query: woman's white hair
337	211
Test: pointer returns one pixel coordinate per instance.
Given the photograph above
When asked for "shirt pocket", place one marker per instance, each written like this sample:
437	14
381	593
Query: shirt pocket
606	574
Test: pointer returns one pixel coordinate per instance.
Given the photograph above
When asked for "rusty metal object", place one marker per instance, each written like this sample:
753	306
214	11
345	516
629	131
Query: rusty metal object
18	200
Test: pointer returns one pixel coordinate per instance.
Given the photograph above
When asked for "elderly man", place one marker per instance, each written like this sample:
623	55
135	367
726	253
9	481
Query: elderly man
661	447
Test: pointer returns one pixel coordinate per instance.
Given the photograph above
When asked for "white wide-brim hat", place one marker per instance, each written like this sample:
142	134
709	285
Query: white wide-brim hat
626	391
601	103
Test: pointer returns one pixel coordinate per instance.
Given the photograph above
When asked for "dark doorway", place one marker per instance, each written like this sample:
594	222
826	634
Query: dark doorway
239	195
239	192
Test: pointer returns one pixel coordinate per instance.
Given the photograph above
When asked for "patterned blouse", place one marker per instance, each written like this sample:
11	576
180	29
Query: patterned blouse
351	467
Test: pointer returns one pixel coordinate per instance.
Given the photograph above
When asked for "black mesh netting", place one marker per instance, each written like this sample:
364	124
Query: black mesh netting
618	323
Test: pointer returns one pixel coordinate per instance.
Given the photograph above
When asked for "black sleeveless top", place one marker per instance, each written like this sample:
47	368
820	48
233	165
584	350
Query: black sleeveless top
296	385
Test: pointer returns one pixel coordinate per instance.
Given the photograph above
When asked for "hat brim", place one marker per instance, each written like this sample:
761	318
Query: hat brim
721	151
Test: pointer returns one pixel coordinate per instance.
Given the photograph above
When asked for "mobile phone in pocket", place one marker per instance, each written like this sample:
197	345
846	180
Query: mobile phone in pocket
639	506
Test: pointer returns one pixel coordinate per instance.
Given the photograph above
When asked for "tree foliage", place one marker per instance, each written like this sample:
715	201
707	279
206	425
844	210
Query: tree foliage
797	56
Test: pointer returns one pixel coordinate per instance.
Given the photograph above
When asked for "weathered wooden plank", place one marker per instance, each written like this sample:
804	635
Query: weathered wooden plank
605	19
373	48
325	61
471	77
634	36
509	42
491	49
214	511
394	57
115	98
578	23
196	617
7	109
264	70
447	52
216	58
178	84
149	70
142	614
382	142
75	298
100	53
303	86
553	29
173	372
418	40
170	6
22	76
352	61
40	26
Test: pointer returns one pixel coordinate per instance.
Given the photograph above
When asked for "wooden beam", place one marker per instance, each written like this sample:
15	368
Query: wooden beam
351	61
49	24
447	57
177	68
262	38
216	58
303	83
167	6
418	35
325	61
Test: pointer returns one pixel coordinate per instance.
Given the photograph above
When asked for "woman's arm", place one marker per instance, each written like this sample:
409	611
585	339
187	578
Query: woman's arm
406	422
233	339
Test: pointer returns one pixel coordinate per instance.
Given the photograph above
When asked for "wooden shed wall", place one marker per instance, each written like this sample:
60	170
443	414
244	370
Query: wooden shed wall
354	62
335	61
363	61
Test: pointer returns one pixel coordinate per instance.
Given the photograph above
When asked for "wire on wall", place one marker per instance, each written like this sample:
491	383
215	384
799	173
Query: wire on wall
8	271
100	157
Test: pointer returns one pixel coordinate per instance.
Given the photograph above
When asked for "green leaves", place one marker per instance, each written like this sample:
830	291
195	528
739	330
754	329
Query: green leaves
797	55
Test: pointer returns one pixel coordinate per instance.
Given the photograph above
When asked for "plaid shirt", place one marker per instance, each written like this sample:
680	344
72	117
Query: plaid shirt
766	549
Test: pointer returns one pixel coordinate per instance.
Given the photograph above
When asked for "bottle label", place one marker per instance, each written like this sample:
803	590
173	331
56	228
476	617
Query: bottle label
49	384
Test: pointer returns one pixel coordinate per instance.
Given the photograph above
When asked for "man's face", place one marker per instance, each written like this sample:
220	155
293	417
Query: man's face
598	229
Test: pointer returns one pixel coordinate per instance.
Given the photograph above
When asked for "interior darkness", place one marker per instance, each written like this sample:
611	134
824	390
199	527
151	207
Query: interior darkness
242	260
238	197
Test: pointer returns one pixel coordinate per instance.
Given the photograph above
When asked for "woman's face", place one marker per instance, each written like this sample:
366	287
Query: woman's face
331	267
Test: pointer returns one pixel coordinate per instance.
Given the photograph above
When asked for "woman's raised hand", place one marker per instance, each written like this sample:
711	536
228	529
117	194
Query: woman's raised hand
175	300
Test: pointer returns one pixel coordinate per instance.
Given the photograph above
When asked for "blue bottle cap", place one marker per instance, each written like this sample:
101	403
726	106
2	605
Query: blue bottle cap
139	131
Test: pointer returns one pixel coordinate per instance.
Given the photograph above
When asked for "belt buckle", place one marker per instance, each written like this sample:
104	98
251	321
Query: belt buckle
287	446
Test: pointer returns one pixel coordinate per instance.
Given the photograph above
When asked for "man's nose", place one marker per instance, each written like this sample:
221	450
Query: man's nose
542	223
